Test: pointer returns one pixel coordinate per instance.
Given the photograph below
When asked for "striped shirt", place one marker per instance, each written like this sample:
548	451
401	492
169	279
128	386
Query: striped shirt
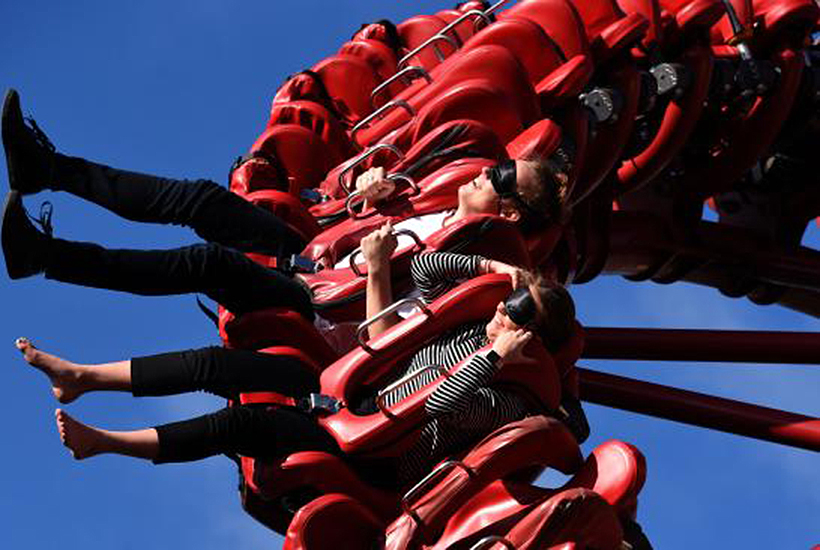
464	408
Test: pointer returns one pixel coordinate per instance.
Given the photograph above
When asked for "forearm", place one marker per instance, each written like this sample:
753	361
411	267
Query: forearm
379	295
435	272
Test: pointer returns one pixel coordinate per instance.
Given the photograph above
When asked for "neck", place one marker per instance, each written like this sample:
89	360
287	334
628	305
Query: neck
457	215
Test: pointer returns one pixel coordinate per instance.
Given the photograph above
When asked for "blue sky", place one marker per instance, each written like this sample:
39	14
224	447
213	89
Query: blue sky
180	89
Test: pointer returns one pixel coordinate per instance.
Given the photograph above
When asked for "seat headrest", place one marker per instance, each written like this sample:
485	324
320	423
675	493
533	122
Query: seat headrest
539	140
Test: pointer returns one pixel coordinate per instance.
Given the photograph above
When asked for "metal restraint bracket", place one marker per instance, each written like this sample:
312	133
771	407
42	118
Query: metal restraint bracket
300	264
492	540
312	195
319	403
603	103
428	481
671	77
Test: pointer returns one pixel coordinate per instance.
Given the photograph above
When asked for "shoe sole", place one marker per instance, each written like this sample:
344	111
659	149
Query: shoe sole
12	197
11	97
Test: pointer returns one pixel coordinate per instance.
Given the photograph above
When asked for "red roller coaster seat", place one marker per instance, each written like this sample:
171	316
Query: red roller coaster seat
485	83
349	79
612	34
430	148
376	53
681	37
580	518
333	522
537	441
467	28
418	150
557	79
439	191
619	482
377	434
561	22
417	30
306	140
339	293
385	431
779	40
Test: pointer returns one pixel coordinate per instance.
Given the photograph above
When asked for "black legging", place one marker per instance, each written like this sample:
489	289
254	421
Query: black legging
217	269
256	431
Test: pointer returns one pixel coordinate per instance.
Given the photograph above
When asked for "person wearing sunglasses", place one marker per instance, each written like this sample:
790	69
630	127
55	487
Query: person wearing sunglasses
464	408
532	193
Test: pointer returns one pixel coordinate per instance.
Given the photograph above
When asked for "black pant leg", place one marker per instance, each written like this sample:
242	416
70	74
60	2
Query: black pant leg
213	212
223	274
254	431
222	371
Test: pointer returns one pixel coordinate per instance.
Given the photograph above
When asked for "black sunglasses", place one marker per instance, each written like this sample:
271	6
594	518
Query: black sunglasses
521	308
504	177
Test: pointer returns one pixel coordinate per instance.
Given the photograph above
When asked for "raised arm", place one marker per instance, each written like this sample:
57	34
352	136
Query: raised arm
434	273
377	247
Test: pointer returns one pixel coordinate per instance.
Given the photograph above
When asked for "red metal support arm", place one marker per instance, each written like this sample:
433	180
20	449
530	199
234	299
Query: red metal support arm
699	409
733	346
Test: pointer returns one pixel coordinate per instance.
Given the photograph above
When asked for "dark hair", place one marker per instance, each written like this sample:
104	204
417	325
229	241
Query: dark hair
556	312
545	195
391	34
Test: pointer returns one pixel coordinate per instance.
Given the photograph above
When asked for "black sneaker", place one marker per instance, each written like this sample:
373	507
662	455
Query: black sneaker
24	246
29	153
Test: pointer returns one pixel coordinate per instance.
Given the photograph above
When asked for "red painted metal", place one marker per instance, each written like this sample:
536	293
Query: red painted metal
733	346
699	409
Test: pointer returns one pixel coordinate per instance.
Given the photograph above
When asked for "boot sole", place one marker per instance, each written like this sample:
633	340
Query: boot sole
7	107
14	272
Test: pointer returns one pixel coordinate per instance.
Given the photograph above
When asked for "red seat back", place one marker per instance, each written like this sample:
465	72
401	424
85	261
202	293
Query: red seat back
575	516
496	67
617	471
415	31
305	155
560	21
333	522
349	80
610	31
689	14
526	40
535	441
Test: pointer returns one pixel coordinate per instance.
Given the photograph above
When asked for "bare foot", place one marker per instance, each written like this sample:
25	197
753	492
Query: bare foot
66	377
83	441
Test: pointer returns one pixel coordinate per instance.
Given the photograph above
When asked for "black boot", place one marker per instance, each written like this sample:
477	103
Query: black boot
24	246
29	153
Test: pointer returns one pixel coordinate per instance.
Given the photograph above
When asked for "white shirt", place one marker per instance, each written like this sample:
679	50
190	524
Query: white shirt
423	226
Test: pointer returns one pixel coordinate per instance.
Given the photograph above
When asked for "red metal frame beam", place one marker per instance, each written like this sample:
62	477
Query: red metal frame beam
702	345
698	409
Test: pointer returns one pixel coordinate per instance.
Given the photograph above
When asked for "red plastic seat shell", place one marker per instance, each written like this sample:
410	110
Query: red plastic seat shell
694	13
378	432
580	516
333	522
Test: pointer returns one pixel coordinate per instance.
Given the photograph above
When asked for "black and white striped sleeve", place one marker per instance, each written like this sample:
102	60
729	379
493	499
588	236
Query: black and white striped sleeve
466	396
434	273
